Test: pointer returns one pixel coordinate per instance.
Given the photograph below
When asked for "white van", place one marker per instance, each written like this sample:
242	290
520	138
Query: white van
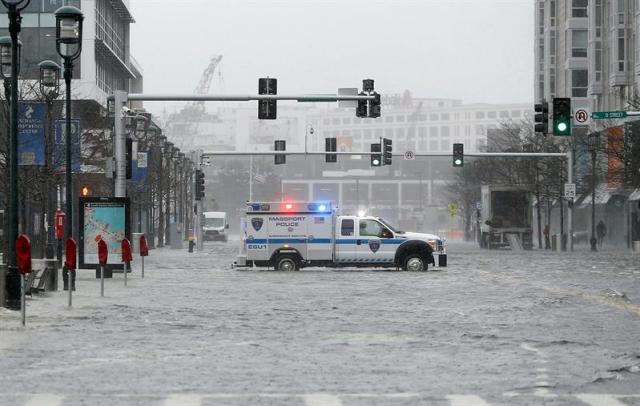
215	226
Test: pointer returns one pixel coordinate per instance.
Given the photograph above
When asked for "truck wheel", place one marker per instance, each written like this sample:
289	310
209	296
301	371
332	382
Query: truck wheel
415	263
286	263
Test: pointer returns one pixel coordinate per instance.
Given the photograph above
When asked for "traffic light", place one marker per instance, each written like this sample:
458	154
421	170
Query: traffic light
376	158
387	150
85	191
129	157
562	116
374	106
280	145
542	118
361	109
458	155
267	108
331	145
199	184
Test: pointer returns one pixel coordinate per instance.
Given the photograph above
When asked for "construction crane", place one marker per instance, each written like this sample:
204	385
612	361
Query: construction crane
186	123
205	83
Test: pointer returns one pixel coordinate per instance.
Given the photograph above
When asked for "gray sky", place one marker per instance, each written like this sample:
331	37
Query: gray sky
475	50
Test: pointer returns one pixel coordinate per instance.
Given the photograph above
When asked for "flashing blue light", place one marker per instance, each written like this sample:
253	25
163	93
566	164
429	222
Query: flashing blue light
322	207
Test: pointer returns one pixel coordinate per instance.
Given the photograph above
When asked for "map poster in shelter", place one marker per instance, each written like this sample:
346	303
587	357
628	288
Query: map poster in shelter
105	218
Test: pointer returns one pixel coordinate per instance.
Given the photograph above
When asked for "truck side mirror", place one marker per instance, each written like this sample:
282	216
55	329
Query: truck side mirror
226	226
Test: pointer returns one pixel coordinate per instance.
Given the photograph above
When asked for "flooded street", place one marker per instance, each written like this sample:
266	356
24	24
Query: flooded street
506	327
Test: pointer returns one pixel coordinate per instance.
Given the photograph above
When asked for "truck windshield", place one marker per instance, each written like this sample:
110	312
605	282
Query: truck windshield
389	226
213	222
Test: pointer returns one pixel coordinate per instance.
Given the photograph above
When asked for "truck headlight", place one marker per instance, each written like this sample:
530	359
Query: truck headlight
433	244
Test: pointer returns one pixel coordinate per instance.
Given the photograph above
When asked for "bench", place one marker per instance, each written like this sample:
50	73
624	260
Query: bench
37	279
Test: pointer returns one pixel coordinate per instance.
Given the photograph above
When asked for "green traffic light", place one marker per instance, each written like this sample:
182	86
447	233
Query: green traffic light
458	162
562	127
376	162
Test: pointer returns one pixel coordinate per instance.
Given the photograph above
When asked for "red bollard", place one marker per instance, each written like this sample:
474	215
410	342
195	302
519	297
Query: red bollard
70	266
23	260
126	258
144	251
103	255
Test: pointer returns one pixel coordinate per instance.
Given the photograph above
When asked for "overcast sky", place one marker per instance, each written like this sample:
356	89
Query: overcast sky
474	50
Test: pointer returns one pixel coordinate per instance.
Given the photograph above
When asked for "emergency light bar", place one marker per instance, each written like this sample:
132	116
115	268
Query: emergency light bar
290	207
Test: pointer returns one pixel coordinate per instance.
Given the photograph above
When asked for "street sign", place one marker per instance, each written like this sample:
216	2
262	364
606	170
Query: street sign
603	115
581	116
569	190
409	156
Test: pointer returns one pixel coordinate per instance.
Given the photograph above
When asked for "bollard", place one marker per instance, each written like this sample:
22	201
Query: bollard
126	257
70	266
191	244
23	261
103	255
144	251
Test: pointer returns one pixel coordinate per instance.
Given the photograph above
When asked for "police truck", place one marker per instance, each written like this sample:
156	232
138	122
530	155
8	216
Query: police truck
288	236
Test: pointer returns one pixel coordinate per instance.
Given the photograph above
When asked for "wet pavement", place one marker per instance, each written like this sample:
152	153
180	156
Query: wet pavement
494	328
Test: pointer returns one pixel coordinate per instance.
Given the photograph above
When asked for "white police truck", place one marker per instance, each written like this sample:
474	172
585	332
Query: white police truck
288	236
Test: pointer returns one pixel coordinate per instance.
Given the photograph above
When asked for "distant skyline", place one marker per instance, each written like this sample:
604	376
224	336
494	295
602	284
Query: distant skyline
477	51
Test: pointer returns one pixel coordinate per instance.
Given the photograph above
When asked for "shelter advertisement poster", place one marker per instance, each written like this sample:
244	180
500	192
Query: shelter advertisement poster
31	133
59	157
105	218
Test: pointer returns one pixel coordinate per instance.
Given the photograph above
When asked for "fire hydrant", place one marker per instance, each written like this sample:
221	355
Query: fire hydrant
192	243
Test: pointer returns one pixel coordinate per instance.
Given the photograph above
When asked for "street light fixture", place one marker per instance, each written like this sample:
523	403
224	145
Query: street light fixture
49	79
14	7
69	45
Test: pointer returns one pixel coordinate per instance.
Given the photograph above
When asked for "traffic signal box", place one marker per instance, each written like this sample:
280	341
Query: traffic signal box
199	184
267	109
562	116
280	145
541	118
458	155
387	149
376	157
331	145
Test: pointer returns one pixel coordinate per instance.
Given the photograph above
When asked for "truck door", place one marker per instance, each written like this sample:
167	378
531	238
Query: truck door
346	248
375	242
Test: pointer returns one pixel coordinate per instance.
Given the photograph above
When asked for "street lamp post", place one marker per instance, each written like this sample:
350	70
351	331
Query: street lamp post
594	139
169	149
12	54
50	90
69	45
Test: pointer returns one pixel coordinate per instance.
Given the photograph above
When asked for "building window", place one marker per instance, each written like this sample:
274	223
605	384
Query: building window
388	119
400	119
579	82
335	121
326	121
579	8
492	114
444	131
579	41
433	117
504	114
346	121
621	48
399	132
444	116
433	131
598	60
516	113
480	114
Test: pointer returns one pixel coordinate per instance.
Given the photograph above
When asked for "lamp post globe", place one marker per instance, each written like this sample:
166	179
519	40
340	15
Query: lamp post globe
49	77
6	56
15	5
69	31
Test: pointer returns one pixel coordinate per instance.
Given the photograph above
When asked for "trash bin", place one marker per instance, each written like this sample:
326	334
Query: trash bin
636	246
555	242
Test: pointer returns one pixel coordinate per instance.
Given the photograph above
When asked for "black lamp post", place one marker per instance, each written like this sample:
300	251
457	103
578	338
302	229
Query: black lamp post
11	59
50	90
594	139
69	45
